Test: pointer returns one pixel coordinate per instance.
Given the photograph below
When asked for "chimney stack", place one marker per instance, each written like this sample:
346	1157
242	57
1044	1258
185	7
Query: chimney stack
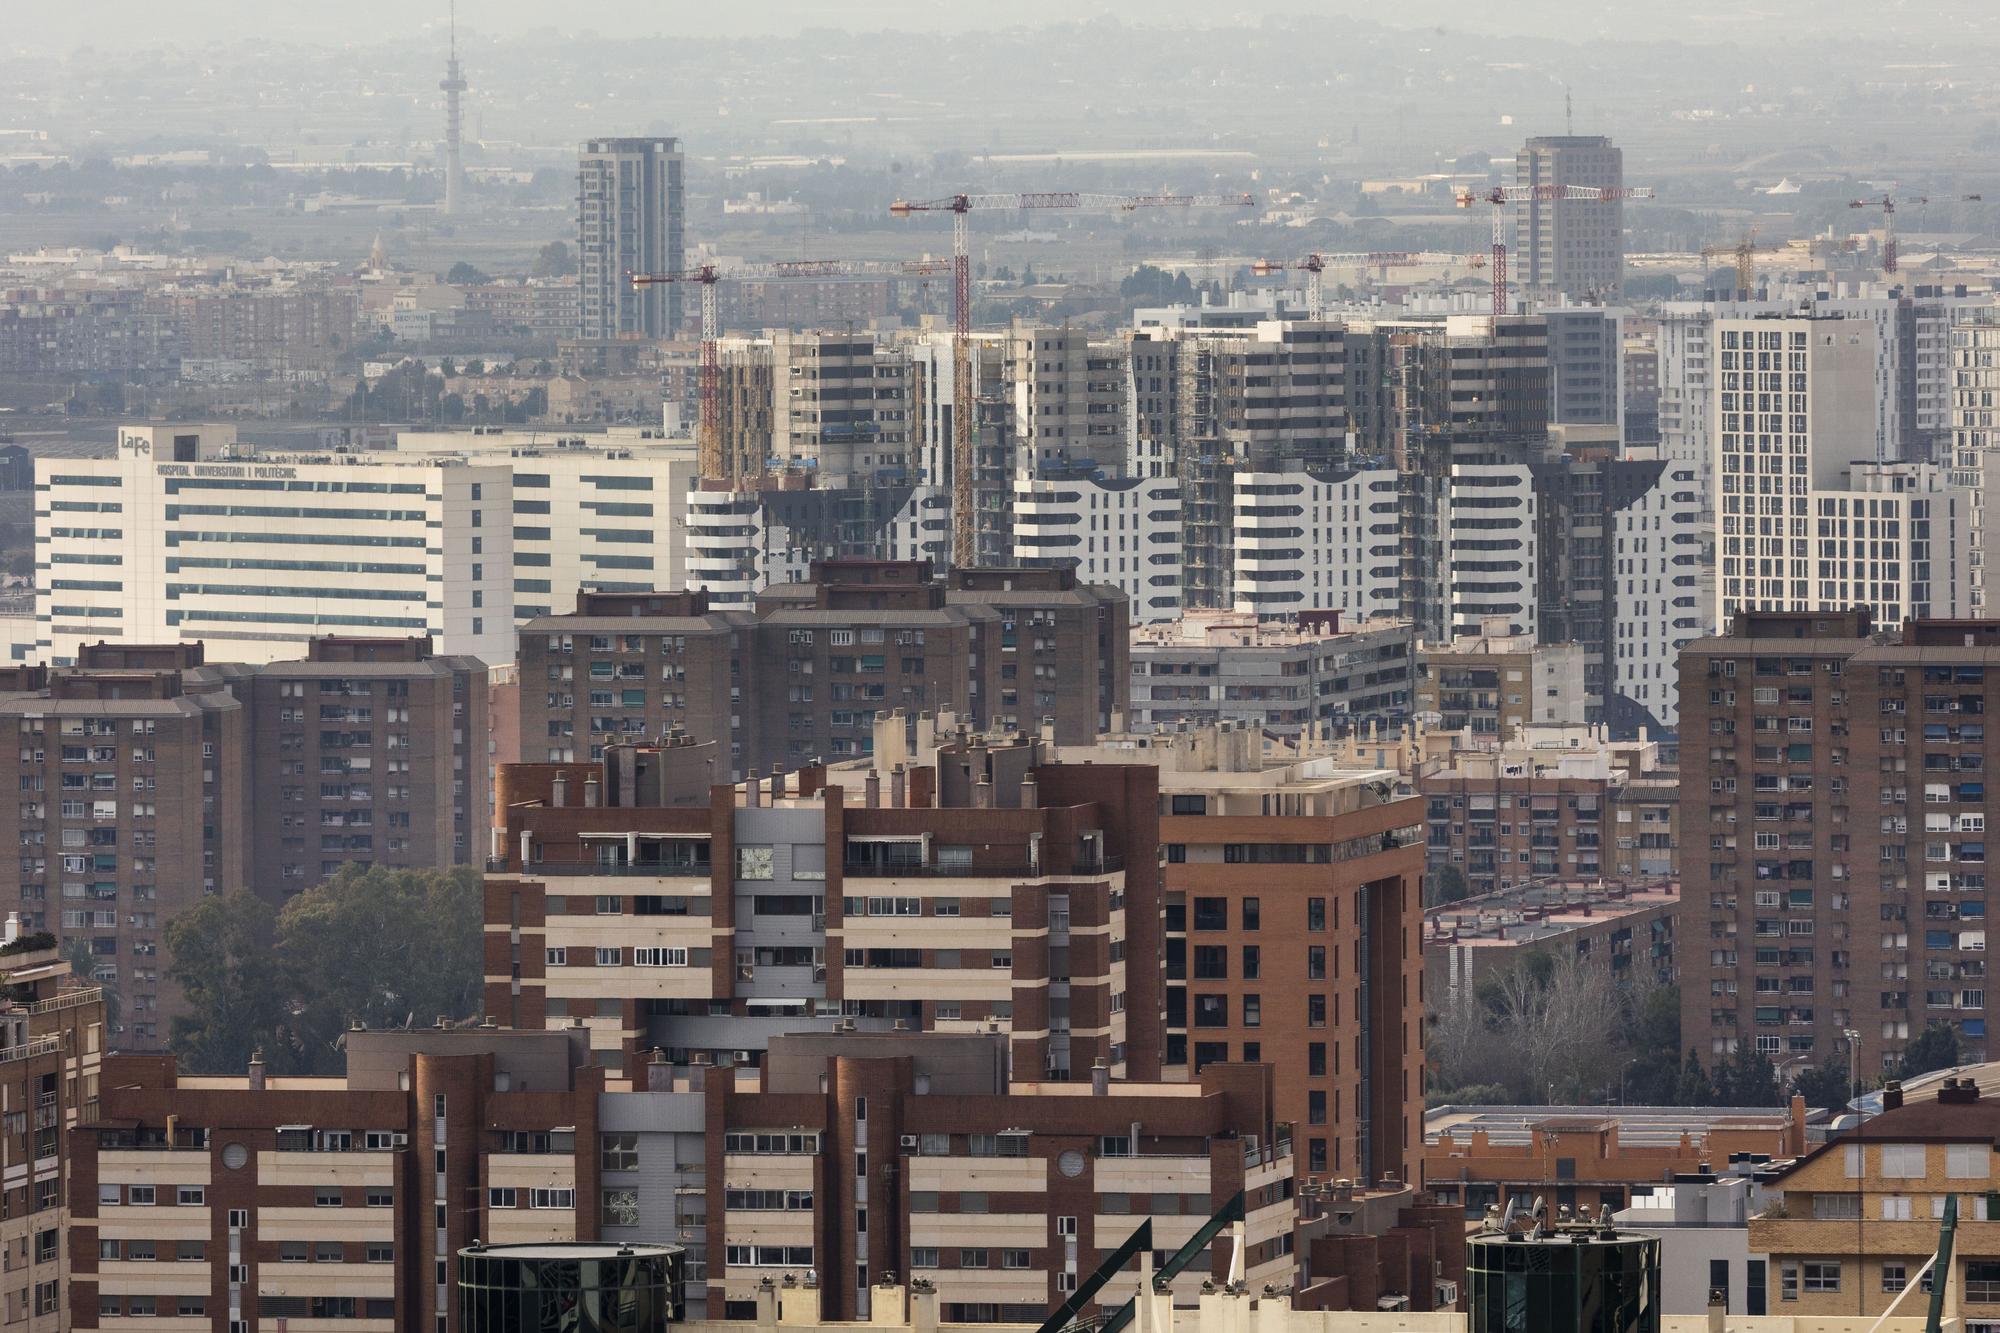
659	1074
777	783
590	792
898	788
1100	1078
982	794
752	793
1031	791
559	791
257	1070
871	789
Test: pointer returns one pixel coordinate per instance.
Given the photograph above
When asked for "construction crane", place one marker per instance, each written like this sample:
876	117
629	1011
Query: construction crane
708	432
964	552
1887	203
1315	265
1502	195
1744	255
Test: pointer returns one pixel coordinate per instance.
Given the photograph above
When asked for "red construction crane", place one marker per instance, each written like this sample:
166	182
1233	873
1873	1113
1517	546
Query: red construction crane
1502	195
708	435
963	547
1314	266
1887	203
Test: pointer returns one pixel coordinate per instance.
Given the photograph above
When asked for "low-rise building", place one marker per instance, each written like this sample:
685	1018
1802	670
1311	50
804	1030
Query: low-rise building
1280	676
1703	1221
1858	1217
1629	928
1592	1156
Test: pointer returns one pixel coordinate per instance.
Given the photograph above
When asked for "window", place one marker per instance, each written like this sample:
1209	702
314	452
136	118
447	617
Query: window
1822	1276
328	1252
753	863
141	1195
1895	1277
552	1198
1211	1011
1968	1161
1253	913
1014	1258
327	1197
620	1152
381	1254
292	1251
381	1199
1315	914
972	1258
501	1198
1902	1161
193	1195
555	957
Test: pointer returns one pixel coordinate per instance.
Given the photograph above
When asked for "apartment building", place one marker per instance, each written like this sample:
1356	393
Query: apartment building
1569	248
1306	540
1538	806
365	752
1864	914
214	1201
862	1153
1067	397
132	802
1495	682
630	216
1282	677
1293	891
1860	1214
52	1044
840	405
1587	366
223	1202
1808	519
852	641
770	529
1122	531
990	887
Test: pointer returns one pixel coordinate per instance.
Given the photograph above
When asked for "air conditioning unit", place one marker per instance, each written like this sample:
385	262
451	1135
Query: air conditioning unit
908	1141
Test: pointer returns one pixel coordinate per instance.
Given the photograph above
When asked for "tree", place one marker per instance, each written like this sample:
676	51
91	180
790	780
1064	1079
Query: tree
554	260
222	959
1936	1047
1746	1078
1694	1089
83	966
384	947
463	274
1825	1085
1443	884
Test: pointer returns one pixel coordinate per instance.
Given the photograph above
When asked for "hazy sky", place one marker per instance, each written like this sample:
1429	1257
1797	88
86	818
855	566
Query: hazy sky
116	23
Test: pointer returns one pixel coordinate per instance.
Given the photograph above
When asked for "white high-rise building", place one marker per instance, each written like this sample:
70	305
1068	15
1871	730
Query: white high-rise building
1807	519
1316	541
1124	531
185	534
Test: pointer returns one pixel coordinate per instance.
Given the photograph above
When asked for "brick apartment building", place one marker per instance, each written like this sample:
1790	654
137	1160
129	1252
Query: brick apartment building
1293	897
1627	927
149	778
128	809
1837	778
229	1202
52	1042
958	881
802	677
847	1154
369	751
1545	805
971	884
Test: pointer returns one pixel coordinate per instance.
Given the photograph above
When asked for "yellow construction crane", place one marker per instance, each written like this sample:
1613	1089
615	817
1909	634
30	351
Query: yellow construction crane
1744	255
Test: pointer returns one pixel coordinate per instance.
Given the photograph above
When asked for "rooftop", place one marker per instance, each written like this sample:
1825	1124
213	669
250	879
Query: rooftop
1540	909
1638	1126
